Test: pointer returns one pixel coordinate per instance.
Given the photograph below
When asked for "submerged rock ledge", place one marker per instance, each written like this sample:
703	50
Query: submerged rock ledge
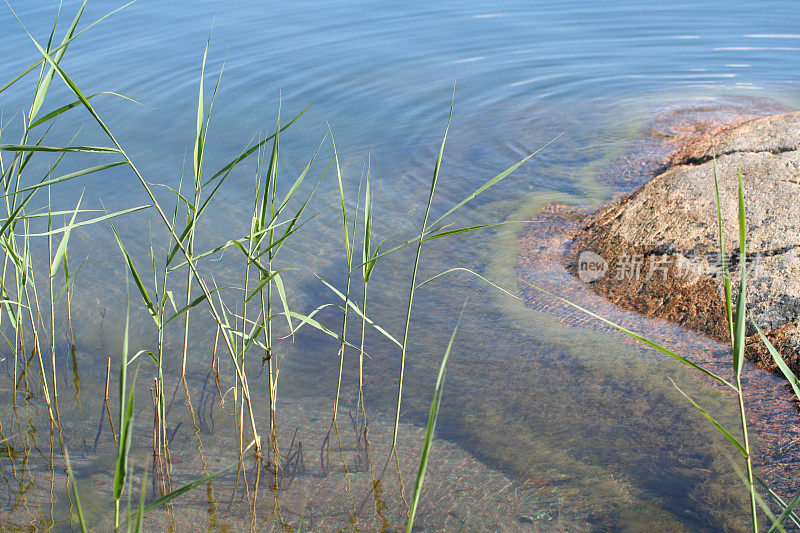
656	251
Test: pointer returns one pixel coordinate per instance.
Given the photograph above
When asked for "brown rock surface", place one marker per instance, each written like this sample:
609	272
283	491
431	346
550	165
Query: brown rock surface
547	259
659	246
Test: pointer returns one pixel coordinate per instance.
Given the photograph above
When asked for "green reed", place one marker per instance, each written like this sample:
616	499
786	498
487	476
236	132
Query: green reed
368	258
261	304
433	417
348	250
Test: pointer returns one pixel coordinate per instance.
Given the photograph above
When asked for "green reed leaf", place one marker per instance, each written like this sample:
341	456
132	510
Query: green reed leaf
785	370
636	336
44	85
75	495
430	429
57	149
741	300
721	429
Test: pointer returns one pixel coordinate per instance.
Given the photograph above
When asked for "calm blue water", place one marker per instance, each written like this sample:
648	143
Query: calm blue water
526	397
382	75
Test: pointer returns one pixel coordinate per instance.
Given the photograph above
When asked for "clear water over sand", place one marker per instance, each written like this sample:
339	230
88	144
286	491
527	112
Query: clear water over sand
543	426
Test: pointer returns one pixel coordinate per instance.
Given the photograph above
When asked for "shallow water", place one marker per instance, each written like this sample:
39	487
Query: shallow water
576	429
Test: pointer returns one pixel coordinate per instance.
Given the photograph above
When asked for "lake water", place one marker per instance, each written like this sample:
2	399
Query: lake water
543	426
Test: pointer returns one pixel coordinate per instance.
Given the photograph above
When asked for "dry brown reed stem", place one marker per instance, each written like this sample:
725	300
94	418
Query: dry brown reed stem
46	390
110	421
216	343
159	469
108	373
105	400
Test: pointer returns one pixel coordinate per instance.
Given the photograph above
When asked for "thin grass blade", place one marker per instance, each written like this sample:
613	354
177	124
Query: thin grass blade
792	515
740	317
151	308
785	370
494	181
433	416
636	336
57	149
186	488
138	528
62	246
75	495
721	429
785	514
44	86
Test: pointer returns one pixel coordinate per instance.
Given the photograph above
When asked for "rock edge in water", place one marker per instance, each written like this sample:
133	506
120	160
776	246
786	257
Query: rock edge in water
656	251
